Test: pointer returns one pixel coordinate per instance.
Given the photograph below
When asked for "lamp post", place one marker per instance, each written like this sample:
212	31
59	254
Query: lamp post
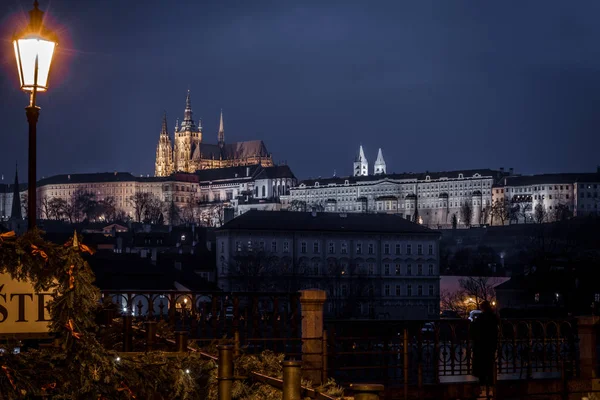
34	48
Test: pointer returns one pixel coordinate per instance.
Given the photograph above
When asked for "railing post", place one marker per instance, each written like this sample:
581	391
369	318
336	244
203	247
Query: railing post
127	333
311	306
236	343
225	371
150	334
291	380
324	357
586	330
366	391
405	359
181	341
109	315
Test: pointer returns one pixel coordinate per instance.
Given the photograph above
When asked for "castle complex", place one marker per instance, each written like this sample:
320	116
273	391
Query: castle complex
190	153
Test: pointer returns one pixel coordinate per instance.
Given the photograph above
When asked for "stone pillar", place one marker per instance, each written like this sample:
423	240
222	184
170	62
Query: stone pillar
311	306
586	329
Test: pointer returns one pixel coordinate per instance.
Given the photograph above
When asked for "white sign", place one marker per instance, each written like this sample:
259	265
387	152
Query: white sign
22	310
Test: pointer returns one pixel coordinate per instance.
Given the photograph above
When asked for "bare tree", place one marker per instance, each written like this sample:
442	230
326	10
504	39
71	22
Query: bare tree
153	213
107	208
454	221
174	213
523	209
298	205
70	211
485	215
56	208
466	213
140	201
500	210
471	293
540	214
45	206
561	212
85	203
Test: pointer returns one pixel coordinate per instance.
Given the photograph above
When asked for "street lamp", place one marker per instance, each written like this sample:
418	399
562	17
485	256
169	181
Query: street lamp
34	48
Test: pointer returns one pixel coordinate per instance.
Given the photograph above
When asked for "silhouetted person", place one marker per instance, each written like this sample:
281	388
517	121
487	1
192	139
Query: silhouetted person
485	343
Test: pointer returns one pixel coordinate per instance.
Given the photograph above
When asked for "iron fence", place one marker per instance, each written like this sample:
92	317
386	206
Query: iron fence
426	352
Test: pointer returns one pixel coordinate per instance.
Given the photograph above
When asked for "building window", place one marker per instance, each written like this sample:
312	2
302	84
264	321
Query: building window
371	248
371	268
316	247
420	249
409	290
430	270
273	247
420	269
409	249
409	270
344	248
261	246
430	249
303	247
386	269
597	297
358	248
536	298
398	247
386	290
222	247
238	246
398	272
331	248
398	292
286	247
386	248
430	290
420	290
264	190
344	290
315	270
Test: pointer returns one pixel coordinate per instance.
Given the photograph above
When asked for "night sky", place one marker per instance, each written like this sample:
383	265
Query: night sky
438	85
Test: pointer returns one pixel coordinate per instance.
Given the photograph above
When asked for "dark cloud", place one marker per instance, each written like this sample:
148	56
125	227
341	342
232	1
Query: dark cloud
436	84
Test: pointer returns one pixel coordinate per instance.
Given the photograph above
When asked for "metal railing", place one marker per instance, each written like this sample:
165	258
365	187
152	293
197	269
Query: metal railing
257	321
419	353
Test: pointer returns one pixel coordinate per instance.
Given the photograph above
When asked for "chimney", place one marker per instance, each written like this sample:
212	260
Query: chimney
501	169
511	170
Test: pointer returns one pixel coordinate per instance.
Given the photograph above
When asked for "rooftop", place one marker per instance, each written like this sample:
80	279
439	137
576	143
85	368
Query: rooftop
322	221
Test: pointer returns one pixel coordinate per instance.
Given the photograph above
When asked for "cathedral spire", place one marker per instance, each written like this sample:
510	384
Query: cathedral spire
380	163
164	130
361	166
16	201
188	120
221	135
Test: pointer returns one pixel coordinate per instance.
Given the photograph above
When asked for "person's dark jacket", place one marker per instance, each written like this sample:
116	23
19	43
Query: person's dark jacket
484	332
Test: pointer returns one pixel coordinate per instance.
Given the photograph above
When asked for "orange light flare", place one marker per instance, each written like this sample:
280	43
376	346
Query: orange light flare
16	21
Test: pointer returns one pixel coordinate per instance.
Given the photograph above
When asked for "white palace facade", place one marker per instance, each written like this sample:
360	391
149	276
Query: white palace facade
430	198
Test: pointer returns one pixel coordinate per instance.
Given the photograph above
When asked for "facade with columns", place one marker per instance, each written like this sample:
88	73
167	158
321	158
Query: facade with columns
190	153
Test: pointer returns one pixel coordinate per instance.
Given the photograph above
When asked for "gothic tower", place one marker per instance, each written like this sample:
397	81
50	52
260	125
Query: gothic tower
379	164
16	200
187	137
164	152
221	134
361	166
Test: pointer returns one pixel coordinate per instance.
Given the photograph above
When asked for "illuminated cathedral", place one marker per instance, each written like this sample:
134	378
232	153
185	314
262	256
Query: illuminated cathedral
190	154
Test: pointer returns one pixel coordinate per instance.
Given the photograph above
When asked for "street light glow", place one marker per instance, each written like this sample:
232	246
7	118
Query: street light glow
34	49
34	56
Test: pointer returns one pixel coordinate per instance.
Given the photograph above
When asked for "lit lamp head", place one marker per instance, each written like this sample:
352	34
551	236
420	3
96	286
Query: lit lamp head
34	48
